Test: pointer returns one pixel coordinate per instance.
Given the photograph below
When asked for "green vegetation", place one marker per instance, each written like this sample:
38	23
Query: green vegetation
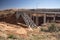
52	28
12	37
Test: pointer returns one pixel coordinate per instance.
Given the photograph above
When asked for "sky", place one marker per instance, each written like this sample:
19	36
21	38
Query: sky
29	4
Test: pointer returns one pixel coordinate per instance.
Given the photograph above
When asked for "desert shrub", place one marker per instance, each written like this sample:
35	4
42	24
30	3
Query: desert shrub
45	29
52	28
2	38
38	37
15	37
12	37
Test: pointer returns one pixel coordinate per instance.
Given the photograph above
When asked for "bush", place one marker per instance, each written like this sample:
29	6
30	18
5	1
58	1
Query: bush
52	28
12	37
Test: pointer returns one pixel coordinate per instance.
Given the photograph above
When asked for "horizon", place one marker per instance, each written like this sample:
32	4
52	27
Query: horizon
30	8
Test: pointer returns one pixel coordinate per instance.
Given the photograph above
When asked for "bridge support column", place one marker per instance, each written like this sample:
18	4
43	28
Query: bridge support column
33	18
30	15
44	19
54	18
37	19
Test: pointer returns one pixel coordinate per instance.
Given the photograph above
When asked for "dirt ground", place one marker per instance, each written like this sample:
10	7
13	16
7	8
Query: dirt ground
8	27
